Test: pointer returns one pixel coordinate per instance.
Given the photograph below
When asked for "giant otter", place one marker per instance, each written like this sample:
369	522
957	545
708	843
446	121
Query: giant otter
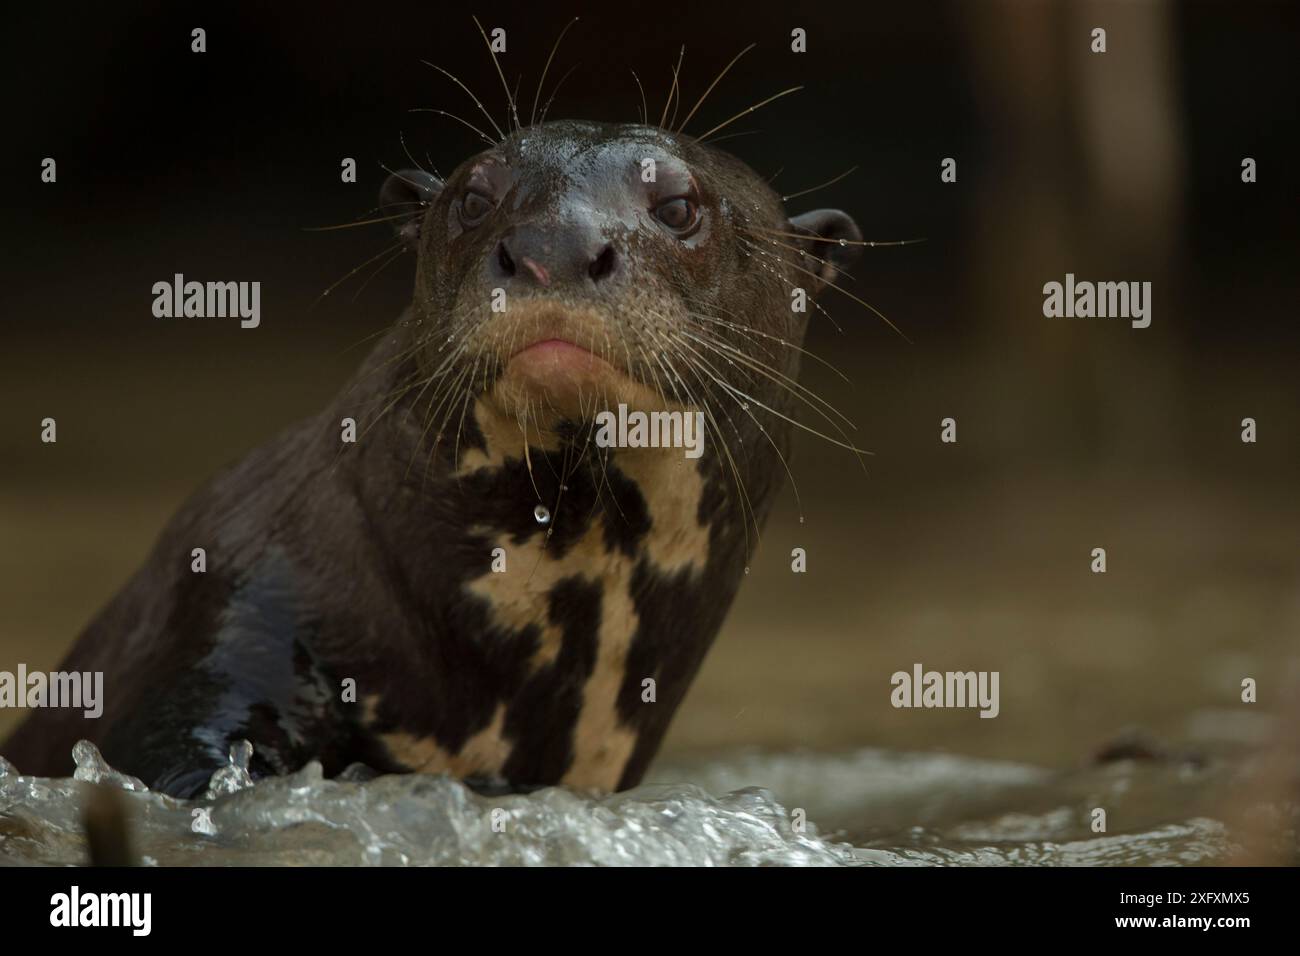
554	279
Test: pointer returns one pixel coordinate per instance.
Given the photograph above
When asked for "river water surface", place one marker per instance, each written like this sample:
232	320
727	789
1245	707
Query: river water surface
868	808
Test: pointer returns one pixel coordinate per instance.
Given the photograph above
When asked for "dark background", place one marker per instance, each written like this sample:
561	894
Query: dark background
1073	434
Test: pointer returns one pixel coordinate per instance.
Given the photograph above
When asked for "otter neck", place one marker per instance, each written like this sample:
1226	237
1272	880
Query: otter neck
585	620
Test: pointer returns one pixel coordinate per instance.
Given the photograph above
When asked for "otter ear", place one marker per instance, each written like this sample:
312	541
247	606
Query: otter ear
407	194
823	229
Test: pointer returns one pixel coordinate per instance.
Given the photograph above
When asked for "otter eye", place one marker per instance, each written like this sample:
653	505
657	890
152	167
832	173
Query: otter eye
680	214
474	208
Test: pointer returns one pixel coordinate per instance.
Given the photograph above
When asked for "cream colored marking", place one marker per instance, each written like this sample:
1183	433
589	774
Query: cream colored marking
484	753
601	743
503	437
601	746
522	596
676	542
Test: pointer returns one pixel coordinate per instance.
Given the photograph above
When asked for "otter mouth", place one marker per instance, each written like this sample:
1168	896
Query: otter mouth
560	355
560	350
564	359
559	370
548	345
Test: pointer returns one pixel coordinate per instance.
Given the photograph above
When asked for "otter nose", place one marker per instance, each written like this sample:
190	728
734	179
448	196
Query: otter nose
546	257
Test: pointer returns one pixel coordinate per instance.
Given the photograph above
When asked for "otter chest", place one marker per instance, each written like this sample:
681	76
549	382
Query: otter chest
575	611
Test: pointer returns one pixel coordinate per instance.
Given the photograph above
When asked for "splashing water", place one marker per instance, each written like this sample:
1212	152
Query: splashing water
303	818
924	809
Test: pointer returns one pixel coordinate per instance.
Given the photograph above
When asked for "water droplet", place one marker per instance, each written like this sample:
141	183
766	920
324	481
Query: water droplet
542	514
234	776
844	242
90	765
93	768
241	752
746	570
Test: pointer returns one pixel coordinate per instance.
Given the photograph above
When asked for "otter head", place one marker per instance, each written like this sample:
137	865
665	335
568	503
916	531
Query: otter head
575	266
